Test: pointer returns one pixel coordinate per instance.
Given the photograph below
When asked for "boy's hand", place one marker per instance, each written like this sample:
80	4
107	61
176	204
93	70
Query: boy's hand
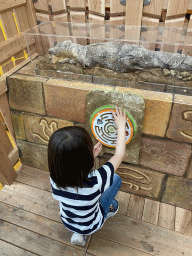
119	118
97	149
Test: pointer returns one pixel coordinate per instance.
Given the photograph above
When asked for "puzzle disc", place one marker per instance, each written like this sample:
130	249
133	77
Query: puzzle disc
104	129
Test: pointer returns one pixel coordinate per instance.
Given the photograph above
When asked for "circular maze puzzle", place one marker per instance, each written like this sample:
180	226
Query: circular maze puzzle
104	129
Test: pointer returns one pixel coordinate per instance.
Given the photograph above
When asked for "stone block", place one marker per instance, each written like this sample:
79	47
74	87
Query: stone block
67	99
34	155
178	192
165	156
189	172
151	86
157	110
180	127
53	74
18	125
26	93
104	80
140	181
131	103
39	129
179	90
82	78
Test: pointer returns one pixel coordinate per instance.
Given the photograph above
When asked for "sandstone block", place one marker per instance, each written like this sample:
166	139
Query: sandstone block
34	155
18	125
180	127
67	99
189	172
26	93
131	103
157	110
165	156
138	180
39	129
178	192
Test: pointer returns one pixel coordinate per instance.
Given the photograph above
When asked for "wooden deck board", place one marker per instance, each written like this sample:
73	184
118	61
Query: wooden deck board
30	224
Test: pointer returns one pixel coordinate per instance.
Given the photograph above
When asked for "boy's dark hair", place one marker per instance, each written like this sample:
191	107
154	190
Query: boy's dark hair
70	156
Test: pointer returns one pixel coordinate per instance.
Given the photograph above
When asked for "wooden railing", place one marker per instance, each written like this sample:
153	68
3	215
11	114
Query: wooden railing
16	16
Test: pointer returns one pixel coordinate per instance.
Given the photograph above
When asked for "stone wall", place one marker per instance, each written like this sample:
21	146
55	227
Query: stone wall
40	105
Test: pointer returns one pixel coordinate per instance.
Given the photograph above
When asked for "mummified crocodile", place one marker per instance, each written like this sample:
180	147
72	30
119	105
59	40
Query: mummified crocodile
121	57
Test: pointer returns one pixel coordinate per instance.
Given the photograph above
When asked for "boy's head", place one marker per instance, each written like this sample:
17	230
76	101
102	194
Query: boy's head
70	156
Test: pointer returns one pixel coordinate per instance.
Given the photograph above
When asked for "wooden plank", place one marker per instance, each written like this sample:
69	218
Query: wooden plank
58	6
6	169
183	221
151	211
35	243
133	22
100	246
5	110
8	4
9	249
135	207
188	41
14	156
3	88
97	6
38	224
77	4
29	203
167	216
21	18
152	15
123	199
5	142
97	33
176	11
14	45
3	78
133	7
31	15
42	5
34	172
32	181
145	237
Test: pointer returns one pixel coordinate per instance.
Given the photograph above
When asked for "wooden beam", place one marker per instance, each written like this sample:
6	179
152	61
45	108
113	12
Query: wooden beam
5	141
14	45
3	87
14	156
7	172
5	110
9	4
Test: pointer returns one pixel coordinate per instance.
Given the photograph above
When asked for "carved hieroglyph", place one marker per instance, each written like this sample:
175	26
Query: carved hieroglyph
105	130
180	127
39	129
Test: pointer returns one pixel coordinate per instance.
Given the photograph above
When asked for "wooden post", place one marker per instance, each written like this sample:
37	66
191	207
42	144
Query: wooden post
97	16
176	12
133	20
188	49
117	17
151	17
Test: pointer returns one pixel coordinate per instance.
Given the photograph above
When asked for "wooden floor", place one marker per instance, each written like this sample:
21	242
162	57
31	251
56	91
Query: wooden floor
30	224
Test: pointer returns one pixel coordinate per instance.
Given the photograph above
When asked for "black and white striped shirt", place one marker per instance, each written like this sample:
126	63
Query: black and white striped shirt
81	212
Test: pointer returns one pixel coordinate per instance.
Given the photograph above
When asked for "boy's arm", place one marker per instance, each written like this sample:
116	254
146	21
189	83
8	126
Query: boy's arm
120	122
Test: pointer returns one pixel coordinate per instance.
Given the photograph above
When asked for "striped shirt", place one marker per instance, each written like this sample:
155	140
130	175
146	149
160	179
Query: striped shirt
82	212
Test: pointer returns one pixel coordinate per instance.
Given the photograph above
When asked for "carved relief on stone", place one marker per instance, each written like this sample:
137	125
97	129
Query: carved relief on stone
47	130
39	129
140	181
135	179
180	127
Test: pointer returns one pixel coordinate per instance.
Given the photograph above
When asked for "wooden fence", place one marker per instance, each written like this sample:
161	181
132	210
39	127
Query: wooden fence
16	16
